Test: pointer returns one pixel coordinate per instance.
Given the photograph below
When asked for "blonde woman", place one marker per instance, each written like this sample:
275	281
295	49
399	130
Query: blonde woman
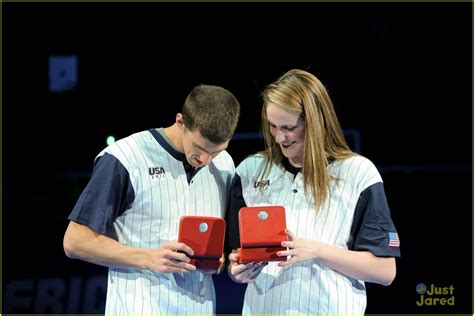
339	227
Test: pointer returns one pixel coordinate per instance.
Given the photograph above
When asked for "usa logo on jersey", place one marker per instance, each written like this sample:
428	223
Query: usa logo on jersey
261	184
156	172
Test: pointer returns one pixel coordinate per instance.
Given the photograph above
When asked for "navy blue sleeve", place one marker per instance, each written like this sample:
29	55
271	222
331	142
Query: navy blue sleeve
107	195
236	201
373	229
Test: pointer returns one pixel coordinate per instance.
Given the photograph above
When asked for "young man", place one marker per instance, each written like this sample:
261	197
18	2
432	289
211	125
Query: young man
127	216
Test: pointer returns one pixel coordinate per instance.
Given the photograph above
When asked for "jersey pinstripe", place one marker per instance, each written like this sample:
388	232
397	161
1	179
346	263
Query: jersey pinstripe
307	287
152	186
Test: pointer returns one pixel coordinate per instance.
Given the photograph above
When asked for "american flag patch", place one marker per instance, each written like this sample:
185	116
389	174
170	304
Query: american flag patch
393	240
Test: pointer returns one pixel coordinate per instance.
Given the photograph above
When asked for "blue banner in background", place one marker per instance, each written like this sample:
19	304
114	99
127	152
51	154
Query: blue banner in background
62	73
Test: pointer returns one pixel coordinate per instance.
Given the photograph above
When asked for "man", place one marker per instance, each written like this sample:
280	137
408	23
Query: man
127	216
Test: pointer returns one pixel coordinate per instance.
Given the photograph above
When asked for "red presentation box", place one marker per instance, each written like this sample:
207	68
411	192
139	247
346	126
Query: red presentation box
205	235
262	229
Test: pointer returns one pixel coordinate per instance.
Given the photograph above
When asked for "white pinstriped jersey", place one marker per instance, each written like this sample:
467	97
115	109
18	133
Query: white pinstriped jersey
355	216
139	189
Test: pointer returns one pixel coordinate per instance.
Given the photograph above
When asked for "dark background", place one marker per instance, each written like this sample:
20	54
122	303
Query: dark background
399	75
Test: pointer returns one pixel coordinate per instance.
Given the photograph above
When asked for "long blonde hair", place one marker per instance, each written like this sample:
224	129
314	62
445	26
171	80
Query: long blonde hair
301	93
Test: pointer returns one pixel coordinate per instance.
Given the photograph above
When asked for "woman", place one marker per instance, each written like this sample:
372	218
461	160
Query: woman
340	232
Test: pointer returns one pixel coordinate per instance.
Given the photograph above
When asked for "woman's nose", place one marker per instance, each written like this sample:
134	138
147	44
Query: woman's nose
280	136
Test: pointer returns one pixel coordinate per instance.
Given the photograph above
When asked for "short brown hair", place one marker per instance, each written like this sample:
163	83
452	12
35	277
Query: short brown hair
212	110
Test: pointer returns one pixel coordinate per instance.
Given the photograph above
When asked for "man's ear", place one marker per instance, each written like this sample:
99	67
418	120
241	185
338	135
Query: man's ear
180	120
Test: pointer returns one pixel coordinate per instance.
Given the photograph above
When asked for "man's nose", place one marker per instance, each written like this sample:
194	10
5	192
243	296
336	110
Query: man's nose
205	158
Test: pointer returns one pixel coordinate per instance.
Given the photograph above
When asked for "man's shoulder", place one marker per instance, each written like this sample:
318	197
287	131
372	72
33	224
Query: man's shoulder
224	161
126	147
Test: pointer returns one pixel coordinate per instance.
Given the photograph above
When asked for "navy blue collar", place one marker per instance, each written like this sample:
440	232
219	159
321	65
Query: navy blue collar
289	167
190	170
162	141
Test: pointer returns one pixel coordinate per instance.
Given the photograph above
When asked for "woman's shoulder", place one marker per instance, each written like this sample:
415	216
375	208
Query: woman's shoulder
359	161
254	157
251	163
358	168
